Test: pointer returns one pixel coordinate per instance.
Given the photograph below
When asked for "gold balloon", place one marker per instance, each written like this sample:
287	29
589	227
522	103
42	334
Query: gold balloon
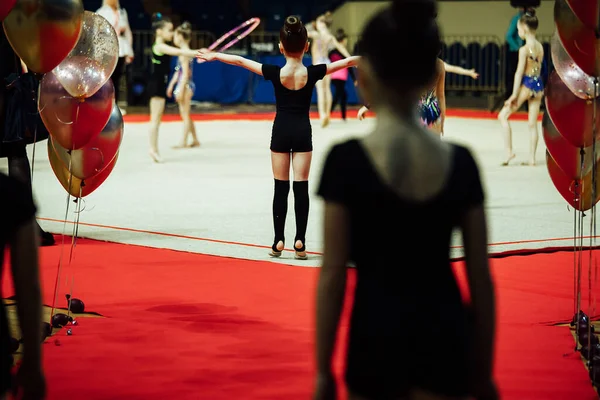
74	186
577	192
43	32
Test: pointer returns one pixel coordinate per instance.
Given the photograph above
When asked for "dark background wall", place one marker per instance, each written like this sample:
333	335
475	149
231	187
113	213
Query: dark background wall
220	15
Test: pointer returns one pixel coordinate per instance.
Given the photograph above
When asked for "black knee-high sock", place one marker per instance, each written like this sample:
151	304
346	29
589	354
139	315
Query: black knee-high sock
280	206
301	206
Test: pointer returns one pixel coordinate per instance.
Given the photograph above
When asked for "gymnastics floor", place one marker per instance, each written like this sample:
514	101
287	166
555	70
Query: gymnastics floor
175	261
216	199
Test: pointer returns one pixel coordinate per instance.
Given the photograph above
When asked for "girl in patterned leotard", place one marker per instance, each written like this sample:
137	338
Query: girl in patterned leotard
431	109
528	86
323	43
183	87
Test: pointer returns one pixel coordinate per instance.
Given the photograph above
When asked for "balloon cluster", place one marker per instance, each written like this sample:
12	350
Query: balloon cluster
571	105
76	51
571	134
73	53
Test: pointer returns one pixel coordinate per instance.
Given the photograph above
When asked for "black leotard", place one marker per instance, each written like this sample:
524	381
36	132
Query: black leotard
161	67
409	327
292	132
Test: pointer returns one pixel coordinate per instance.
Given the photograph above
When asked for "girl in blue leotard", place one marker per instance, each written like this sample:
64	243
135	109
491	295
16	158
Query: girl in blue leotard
528	86
182	86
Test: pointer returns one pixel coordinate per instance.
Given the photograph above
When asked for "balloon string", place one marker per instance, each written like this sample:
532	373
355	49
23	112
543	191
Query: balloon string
73	245
575	261
33	155
579	267
593	219
60	260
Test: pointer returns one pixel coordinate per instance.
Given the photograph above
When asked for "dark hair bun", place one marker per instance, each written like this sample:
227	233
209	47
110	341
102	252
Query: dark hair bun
530	12
185	26
413	12
293	35
293	25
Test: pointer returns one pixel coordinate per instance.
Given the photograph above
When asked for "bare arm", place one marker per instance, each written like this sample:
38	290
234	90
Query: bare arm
250	65
332	283
175	51
342	64
474	231
340	47
312	32
185	70
520	71
440	92
171	86
129	37
24	264
453	69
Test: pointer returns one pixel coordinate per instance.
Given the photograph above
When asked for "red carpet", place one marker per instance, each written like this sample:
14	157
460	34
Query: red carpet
188	326
269	116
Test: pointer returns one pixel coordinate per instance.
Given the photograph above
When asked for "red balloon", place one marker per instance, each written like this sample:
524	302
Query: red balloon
566	156
571	115
586	11
578	193
5	8
579	41
74	186
91	159
74	122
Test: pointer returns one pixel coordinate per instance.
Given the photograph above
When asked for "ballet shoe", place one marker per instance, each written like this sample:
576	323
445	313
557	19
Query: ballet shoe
508	160
277	249
300	251
155	157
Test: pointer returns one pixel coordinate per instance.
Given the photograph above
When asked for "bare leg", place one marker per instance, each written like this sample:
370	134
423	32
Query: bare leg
534	112
301	167
157	108
185	104
321	102
280	163
328	99
192	127
503	117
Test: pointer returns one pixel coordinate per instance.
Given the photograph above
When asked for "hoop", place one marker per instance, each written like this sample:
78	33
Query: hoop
252	24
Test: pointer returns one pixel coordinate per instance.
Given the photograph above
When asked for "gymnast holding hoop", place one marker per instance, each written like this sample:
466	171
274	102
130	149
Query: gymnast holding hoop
161	68
291	139
323	43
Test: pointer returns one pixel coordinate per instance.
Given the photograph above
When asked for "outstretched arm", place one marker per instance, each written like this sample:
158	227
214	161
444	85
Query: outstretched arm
311	30
342	64
453	69
175	51
250	65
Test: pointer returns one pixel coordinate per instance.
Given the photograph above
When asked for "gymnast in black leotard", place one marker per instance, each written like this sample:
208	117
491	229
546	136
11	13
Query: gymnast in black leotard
291	139
159	78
